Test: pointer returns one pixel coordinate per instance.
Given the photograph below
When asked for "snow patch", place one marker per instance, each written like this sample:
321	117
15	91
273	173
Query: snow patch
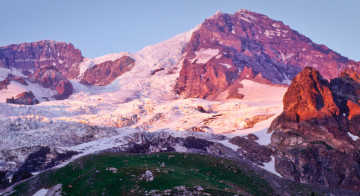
264	93
285	57
204	55
228	144
270	166
4	72
353	137
268	33
244	15
286	80
179	148
226	65
276	25
41	192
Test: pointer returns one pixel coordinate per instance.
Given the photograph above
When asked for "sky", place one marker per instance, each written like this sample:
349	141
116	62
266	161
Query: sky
99	27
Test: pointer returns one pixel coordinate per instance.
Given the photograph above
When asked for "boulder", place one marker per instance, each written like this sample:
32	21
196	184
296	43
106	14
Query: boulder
24	98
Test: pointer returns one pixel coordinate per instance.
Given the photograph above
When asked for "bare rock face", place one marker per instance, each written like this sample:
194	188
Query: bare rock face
29	57
24	98
228	48
49	77
315	136
104	73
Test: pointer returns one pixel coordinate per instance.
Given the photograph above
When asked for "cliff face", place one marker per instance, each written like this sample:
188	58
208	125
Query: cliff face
227	48
29	57
316	136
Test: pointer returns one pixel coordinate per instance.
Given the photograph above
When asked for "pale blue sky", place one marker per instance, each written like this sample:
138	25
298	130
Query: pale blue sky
99	27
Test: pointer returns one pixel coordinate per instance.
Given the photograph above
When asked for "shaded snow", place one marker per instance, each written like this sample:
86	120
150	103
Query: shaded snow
4	72
270	166
41	192
15	88
228	144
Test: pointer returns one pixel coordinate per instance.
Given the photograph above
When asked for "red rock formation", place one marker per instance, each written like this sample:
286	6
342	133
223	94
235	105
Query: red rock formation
309	96
49	77
24	98
251	46
311	137
104	73
29	57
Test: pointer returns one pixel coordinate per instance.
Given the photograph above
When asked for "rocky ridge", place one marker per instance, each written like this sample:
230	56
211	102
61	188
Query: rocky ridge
29	57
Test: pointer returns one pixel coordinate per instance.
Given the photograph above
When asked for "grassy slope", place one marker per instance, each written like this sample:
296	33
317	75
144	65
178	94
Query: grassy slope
88	175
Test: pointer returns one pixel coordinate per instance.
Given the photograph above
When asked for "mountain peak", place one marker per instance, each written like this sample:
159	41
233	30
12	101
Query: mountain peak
232	43
218	12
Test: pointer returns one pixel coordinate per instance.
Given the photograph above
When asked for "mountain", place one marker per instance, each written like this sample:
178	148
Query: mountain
316	138
227	48
213	90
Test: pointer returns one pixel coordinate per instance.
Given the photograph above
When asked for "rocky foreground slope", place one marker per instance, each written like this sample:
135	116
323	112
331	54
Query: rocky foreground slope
316	138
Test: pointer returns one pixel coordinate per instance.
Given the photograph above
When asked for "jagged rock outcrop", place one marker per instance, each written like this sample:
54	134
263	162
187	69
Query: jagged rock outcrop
24	98
316	136
50	77
228	48
29	57
104	73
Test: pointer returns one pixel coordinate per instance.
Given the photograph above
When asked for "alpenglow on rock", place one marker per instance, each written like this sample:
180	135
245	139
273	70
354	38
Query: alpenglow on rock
316	137
104	73
227	48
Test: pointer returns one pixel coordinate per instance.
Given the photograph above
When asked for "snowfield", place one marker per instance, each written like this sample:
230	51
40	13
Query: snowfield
137	101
